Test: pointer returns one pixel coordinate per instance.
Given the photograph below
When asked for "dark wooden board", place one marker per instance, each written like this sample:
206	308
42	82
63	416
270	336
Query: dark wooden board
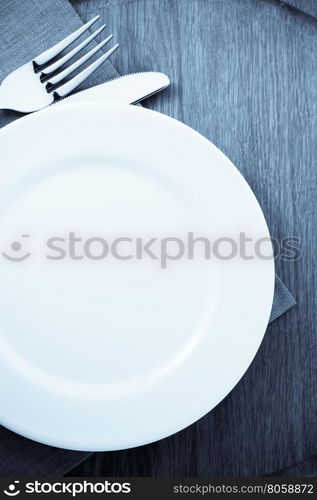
307	6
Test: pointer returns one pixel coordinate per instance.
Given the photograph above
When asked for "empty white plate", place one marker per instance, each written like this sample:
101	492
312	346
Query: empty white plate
104	349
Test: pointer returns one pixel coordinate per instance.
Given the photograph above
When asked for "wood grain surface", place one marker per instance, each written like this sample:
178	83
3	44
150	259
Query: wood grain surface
244	74
307	6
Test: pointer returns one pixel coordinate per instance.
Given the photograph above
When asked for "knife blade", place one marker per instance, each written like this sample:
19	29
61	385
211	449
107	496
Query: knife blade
127	89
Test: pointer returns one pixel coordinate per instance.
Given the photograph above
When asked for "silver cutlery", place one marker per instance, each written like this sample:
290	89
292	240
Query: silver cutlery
37	84
128	89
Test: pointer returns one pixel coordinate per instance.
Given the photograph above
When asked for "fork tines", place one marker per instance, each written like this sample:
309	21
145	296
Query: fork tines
48	72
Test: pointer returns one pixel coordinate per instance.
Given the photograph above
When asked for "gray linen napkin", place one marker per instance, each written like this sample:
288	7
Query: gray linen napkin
26	29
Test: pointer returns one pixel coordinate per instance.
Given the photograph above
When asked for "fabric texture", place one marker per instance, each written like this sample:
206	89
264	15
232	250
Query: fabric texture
283	300
26	29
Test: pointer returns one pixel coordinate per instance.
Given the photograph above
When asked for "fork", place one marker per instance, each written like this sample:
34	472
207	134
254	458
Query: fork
37	83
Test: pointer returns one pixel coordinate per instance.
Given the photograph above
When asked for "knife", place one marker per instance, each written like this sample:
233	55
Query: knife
128	89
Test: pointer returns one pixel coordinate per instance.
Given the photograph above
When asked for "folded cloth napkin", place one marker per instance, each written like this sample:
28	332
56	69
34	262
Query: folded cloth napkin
26	29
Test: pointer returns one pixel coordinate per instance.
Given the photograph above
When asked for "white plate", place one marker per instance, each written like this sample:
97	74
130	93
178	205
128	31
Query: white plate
110	354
